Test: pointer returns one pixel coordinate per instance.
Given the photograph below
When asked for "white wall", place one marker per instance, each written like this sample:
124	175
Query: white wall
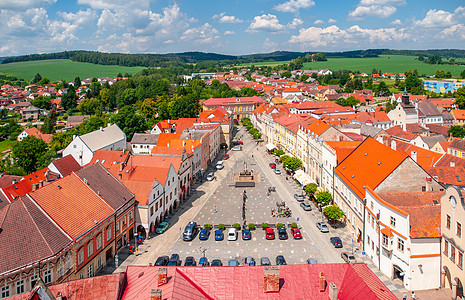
141	148
81	153
429	276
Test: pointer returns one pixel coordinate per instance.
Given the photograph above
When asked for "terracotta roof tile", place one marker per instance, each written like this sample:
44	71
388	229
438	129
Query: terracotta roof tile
398	132
318	127
458	113
66	165
343	148
448	175
458	144
107	158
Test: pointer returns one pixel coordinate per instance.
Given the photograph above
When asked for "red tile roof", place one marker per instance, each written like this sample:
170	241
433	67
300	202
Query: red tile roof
398	132
66	165
343	148
107	158
233	100
72	205
368	165
458	114
448	160
458	144
448	175
318	127
33	131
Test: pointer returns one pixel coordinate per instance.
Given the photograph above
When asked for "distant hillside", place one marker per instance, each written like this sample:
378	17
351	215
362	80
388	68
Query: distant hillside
212	59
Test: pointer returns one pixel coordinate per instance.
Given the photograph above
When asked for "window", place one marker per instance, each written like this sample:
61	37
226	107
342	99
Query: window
117	226
151	209
372	222
80	256
385	240
130	216
452	253
33	281
20	287
372	206
99	262
393	221
47	276
90	270
400	245
90	248
5	291
448	221
108	233
124	221
460	260
81	275
459	229
446	248
98	241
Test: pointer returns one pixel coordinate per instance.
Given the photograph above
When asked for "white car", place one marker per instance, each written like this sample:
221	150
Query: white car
219	165
210	177
232	234
277	171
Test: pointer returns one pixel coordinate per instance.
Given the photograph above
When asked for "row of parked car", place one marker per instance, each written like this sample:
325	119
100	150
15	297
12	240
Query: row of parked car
190	261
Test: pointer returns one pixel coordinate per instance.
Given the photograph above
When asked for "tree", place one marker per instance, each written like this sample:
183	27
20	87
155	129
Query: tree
129	121
36	79
42	102
186	107
49	122
293	163
311	188
333	212
11	130
279	152
27	153
411	82
286	74
147	108
69	100
77	82
457	131
324	198
92	124
462	74
350	101
89	106
44	81
460	97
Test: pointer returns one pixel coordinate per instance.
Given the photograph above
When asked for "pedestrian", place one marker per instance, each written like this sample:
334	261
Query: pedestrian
404	297
214	208
413	295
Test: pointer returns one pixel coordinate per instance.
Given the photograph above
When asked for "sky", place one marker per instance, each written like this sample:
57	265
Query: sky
234	27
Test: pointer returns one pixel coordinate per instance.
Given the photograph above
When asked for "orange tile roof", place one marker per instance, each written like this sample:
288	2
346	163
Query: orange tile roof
318	127
368	165
343	148
107	158
425	158
155	161
167	150
448	175
72	205
397	131
165	138
33	131
387	231
458	113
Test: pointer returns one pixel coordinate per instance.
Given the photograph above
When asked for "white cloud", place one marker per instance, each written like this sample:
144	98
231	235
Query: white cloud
454	31
222	18
293	6
203	34
296	22
330	21
82	17
229	32
267	22
316	36
270	46
24	4
318	22
112	4
376	8
396	22
437	18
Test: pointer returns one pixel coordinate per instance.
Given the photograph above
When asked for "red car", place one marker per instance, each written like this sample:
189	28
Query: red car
226	156
240	143
273	165
269	234
296	233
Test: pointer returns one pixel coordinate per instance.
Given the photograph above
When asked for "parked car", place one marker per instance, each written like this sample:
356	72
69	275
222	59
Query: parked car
280	260
322	227
306	206
174	260
265	261
162	227
249	261
277	171
232	234
216	263
312	261
236	148
348	257
203	262
336	241
246	234
299	197
162	261
226	156
282	233
190	261
219	236
240	143
204	234
233	263
296	233
190	231
219	165
269	234
210	177
273	165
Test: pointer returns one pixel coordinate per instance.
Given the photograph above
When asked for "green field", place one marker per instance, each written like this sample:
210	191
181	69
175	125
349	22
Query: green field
57	69
385	63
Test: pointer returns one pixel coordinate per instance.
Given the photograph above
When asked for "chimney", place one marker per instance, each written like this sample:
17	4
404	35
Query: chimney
452	164
101	129
47	175
162	276
183	143
34	187
332	291
413	155
14	181
429	184
167	144
393	145
155	294
120	176
322	282
271	279
121	168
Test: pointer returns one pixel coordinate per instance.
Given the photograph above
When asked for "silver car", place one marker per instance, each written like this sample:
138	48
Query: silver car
265	261
277	171
299	197
306	206
348	257
322	227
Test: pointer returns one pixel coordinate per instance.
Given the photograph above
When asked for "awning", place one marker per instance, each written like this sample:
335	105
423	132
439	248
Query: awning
302	177
270	147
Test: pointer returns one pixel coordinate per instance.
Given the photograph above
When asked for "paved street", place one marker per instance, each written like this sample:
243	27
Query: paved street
221	196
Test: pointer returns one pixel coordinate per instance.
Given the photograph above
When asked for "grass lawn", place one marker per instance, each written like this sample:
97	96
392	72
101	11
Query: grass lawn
5	145
265	63
58	69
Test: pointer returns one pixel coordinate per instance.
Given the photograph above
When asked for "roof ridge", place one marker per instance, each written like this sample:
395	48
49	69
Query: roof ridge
195	285
4	216
99	196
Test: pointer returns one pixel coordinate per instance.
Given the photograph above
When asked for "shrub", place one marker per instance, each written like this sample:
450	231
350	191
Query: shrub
221	226
324	198
251	226
294	225
279	225
237	226
264	225
207	226
311	188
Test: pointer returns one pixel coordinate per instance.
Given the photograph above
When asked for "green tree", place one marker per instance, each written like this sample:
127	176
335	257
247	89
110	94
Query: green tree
462	74
185	107
129	121
92	124
324	198
27	154
42	102
411	82
44	81
460	97
457	131
49	122
148	108
89	106
333	212
286	74
304	78
77	82
105	97
279	152
11	130
69	100
293	163
311	188
36	79
350	101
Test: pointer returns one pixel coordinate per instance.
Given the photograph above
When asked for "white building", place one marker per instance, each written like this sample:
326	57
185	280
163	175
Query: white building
83	147
403	236
404	113
143	143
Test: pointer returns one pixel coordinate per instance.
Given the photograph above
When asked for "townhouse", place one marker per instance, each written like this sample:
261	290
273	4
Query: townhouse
403	236
456	148
238	107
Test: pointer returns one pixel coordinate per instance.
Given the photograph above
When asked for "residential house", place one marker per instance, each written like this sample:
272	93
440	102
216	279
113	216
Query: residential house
427	142
76	120
33	131
457	148
143	143
378	119
32	113
459	116
237	107
64	166
403	236
453	244
83	147
381	168
404	113
448	176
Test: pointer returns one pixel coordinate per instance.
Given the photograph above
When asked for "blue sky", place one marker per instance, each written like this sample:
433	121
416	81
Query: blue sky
229	27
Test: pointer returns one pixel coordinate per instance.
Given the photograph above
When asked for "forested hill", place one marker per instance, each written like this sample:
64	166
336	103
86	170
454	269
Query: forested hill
181	59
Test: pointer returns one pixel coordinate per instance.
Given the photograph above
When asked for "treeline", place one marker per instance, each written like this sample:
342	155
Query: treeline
457	53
